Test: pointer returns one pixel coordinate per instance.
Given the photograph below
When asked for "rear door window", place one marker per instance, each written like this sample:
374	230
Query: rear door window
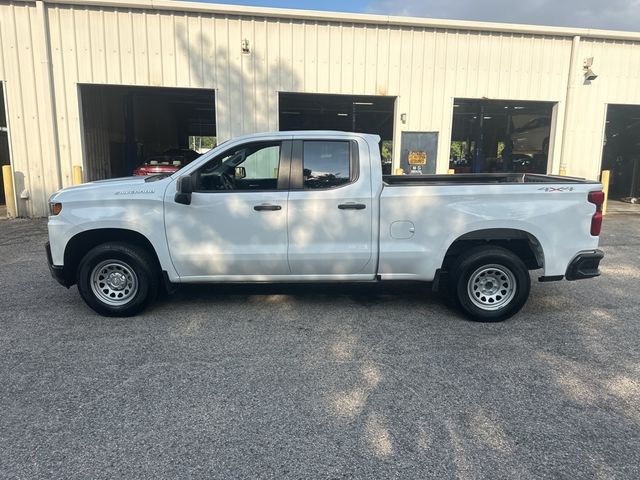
326	164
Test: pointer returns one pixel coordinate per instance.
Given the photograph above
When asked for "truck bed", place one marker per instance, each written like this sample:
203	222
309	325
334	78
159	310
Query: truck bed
478	179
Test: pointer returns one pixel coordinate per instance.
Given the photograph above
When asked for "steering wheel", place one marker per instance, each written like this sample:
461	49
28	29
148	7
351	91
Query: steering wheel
227	183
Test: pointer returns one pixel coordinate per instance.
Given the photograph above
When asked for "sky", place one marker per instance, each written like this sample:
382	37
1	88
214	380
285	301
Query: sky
607	14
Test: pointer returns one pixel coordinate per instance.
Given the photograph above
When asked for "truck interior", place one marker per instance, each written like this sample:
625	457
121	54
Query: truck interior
125	127
493	136
349	113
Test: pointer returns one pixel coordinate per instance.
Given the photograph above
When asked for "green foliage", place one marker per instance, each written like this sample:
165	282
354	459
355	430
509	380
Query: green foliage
205	143
458	149
387	151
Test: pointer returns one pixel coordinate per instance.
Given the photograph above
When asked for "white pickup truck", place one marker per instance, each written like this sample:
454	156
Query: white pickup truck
314	207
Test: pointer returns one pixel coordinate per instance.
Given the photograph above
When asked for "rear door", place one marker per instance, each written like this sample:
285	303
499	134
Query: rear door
330	209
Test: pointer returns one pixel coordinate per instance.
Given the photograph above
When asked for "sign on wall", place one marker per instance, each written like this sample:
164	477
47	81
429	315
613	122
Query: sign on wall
418	152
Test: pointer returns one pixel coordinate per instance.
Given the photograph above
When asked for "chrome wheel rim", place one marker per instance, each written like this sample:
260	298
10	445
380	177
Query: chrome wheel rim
114	282
491	287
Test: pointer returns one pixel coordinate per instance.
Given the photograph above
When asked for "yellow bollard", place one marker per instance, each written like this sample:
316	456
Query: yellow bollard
77	174
10	199
399	171
604	180
451	171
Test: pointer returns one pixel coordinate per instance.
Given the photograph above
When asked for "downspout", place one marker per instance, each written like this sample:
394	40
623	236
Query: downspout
571	85
50	94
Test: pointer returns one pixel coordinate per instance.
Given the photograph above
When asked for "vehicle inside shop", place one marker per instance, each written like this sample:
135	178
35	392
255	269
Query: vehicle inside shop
143	130
349	113
500	136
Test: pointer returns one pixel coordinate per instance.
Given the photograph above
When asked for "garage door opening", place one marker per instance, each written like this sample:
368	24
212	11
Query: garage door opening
4	149
500	136
621	153
126	127
349	113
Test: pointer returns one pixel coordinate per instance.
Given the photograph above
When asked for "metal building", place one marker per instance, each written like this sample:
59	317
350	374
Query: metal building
106	84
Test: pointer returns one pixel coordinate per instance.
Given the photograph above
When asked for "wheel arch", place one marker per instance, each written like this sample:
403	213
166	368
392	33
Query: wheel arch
82	242
521	243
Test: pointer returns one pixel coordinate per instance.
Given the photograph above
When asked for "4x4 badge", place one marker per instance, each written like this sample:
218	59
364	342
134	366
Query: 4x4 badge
556	189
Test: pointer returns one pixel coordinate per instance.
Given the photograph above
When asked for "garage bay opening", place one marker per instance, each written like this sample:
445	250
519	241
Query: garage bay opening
621	153
4	150
349	113
500	136
142	130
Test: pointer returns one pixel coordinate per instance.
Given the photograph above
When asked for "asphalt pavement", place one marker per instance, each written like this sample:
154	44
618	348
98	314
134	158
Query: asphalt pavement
340	381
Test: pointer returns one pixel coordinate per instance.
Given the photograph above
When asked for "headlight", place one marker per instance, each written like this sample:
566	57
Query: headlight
55	208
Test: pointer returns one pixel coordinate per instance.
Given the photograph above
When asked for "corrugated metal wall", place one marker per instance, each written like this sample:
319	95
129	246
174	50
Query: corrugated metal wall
27	100
424	67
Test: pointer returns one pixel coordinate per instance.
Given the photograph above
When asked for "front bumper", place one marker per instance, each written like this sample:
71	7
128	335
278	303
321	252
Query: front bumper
584	265
57	271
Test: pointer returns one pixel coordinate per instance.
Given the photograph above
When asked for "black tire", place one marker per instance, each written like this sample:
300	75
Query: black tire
490	283
133	276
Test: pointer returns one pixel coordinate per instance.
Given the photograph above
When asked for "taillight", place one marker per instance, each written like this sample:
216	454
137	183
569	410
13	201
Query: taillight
596	198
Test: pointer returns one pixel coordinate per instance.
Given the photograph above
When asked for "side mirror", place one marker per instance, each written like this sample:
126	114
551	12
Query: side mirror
240	173
184	189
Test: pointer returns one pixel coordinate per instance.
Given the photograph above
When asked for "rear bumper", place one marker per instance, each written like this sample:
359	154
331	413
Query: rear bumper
584	265
57	271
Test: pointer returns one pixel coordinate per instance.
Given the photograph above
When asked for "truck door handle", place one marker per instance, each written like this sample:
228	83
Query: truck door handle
267	207
352	206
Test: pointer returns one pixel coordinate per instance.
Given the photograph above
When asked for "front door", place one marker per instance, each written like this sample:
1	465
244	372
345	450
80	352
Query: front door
236	224
330	210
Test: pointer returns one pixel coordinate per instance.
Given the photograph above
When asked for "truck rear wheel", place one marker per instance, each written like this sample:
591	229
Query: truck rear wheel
490	283
117	279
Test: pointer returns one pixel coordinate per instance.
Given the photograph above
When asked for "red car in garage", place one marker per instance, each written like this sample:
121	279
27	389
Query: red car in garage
170	161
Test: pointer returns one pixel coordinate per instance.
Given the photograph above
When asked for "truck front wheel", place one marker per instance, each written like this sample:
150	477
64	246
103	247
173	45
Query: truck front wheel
490	283
117	279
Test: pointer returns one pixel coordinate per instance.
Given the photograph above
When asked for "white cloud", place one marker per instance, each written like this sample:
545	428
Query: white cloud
607	14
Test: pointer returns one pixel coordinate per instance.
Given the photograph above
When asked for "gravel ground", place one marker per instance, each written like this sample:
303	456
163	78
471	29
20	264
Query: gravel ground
356	381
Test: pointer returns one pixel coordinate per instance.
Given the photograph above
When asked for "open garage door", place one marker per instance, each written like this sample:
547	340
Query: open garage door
621	153
129	127
4	149
349	113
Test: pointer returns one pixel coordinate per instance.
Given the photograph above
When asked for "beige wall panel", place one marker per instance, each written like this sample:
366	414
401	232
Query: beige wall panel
140	48
236	82
309	66
335	62
370	68
168	49
126	47
99	65
23	84
359	59
247	77
347	60
67	73
382	62
209	52
112	46
183	50
222	67
273	72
